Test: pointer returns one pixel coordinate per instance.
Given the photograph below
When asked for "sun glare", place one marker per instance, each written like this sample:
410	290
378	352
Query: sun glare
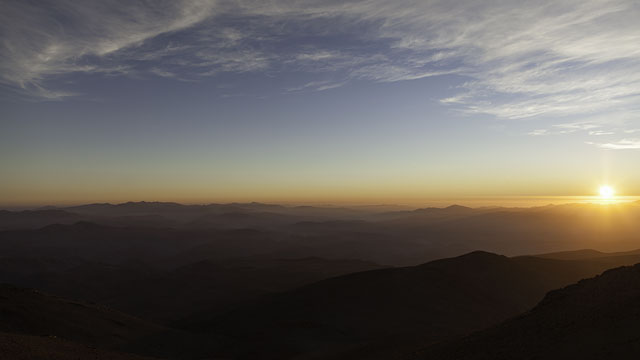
607	192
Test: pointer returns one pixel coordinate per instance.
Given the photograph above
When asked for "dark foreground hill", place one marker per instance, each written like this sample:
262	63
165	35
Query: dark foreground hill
35	326
26	311
29	347
598	318
165	295
378	313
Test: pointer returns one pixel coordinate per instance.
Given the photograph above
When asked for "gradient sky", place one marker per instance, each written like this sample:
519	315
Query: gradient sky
317	101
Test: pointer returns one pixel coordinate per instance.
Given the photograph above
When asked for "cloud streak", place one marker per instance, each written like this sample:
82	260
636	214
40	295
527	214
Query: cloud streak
42	40
518	59
624	144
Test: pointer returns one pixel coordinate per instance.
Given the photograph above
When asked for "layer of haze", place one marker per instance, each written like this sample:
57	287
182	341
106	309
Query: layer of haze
407	102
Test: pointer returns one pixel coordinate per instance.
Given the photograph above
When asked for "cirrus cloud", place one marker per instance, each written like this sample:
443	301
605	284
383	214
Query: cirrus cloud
519	59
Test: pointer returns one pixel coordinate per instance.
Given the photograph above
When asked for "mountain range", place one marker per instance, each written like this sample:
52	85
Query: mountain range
246	281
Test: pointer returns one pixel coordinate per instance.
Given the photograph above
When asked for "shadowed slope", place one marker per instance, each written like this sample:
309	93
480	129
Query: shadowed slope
436	300
35	218
40	326
30	312
598	318
28	347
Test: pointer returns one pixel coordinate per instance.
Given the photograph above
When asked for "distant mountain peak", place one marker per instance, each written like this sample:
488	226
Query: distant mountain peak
457	207
482	253
141	203
483	256
450	208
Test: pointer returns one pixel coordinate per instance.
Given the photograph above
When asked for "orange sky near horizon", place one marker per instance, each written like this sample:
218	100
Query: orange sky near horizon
409	195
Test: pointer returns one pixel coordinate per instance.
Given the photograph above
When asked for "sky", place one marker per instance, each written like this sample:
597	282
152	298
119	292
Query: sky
367	101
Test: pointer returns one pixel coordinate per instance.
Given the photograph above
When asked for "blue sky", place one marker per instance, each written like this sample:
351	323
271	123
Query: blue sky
317	100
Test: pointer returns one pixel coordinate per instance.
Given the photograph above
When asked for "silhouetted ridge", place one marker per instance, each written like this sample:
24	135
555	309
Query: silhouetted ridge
478	258
480	254
456	207
574	255
35	218
438	299
614	286
596	318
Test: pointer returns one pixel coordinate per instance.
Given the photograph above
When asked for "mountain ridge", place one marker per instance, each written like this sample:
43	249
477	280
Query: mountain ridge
594	318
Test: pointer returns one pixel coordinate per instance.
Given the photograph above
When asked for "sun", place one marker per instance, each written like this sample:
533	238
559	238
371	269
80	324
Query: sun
607	192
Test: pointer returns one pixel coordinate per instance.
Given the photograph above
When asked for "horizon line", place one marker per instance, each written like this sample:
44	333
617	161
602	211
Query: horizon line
525	201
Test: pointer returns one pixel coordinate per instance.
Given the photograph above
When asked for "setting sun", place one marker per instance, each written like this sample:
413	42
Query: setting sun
606	192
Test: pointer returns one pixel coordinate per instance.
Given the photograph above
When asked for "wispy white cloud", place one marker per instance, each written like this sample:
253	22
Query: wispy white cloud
163	73
624	144
318	85
525	59
319	55
539	132
600	133
518	59
51	38
577	126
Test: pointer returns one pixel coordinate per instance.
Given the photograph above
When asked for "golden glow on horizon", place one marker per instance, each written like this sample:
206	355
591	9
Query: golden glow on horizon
607	192
484	189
